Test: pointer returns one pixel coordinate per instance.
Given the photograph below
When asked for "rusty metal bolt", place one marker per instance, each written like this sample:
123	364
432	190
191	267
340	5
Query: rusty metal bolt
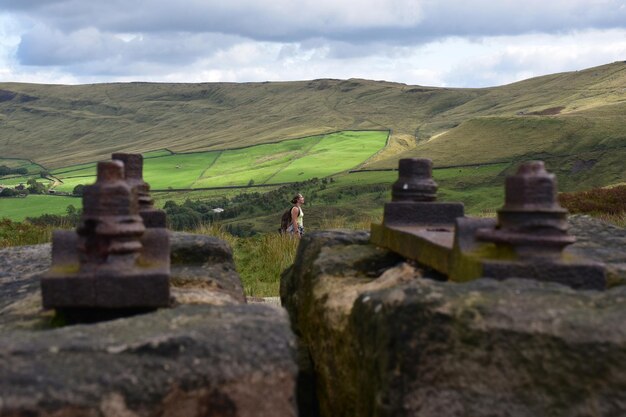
110	227
415	182
133	172
531	221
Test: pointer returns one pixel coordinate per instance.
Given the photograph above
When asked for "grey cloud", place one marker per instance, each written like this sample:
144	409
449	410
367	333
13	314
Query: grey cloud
84	36
44	46
284	20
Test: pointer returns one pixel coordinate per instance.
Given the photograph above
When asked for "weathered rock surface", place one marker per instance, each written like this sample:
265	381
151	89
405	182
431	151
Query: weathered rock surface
203	271
516	348
20	296
394	343
235	360
208	355
601	242
330	271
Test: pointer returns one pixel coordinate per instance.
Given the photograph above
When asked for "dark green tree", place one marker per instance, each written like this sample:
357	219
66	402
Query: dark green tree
79	190
35	187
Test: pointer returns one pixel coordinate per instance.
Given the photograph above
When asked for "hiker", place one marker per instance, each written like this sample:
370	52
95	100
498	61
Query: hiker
293	218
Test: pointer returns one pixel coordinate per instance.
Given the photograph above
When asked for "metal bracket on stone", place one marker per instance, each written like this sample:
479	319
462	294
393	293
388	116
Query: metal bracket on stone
112	262
526	240
133	173
414	224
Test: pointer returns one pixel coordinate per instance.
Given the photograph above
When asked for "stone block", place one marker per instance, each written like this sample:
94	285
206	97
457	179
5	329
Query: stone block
517	348
200	360
209	355
395	343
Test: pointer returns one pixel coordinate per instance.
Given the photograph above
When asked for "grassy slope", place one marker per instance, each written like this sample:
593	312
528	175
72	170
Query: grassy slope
287	161
34	205
60	125
83	123
583	141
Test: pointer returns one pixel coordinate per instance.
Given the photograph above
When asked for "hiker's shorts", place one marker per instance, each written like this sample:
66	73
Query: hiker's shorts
300	228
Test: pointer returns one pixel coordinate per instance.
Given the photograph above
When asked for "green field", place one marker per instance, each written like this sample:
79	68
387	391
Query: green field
287	161
348	195
35	205
13	181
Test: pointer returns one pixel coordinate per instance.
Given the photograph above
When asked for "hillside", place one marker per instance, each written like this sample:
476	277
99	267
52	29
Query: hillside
567	116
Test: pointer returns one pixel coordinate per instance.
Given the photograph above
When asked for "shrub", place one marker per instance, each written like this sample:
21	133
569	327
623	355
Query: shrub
5	170
68	221
79	190
35	187
8	192
597	201
18	234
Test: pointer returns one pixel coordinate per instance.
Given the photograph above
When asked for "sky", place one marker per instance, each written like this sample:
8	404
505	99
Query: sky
446	43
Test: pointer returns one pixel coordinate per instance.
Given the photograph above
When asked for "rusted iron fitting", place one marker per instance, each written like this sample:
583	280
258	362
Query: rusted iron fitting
110	228
413	198
112	265
532	222
133	173
415	181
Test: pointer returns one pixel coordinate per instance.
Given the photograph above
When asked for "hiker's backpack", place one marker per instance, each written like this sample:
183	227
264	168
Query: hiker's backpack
285	219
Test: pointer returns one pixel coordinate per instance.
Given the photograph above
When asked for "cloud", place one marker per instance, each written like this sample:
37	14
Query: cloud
504	60
354	20
45	46
272	20
437	42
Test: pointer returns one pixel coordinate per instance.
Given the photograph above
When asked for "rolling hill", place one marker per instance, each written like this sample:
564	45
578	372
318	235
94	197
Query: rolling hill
573	117
574	121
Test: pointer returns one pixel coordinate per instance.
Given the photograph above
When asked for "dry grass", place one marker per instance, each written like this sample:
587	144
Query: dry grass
19	234
260	259
217	230
343	222
616	219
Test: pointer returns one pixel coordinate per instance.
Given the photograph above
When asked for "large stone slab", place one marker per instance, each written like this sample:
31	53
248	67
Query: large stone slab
601	242
331	270
210	354
202	272
235	360
518	348
384	340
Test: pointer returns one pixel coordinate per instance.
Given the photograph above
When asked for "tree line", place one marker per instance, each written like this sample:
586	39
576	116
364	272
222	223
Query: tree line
191	214
5	170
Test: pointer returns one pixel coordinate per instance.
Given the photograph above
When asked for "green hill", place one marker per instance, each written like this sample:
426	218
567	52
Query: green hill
194	135
570	113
